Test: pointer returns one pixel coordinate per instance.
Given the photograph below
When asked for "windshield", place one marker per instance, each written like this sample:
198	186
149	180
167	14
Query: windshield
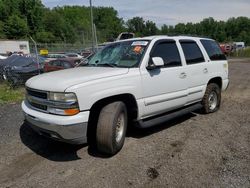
123	54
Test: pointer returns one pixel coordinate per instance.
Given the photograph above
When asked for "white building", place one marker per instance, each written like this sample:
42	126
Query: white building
14	46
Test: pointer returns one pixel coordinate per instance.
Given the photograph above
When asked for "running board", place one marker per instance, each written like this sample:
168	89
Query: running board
166	117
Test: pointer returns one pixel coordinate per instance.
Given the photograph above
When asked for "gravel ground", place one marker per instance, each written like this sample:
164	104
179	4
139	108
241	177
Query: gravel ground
192	151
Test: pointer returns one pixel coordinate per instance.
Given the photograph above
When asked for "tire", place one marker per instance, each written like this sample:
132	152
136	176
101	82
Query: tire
212	98
109	137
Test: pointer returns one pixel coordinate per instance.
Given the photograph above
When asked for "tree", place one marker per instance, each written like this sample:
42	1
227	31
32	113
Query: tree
45	37
150	29
33	11
136	25
2	35
164	29
15	27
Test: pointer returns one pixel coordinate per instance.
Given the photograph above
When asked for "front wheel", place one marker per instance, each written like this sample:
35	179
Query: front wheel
212	98
111	128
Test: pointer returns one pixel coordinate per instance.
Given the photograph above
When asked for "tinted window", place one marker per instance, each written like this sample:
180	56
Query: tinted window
192	52
55	63
213	50
168	51
66	64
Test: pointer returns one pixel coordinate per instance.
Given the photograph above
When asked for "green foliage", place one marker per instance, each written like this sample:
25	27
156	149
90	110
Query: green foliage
45	37
9	94
15	27
235	29
136	25
2	35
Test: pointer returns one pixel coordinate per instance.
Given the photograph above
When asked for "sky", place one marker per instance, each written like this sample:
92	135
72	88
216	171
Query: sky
168	12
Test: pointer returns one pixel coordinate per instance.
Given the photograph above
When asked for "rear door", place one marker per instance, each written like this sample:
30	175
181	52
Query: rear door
197	70
165	88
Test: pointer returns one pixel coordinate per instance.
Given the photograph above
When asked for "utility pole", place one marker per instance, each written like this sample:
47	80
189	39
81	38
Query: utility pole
96	45
92	26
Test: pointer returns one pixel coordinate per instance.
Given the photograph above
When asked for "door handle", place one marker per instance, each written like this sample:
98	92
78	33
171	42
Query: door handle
183	75
205	70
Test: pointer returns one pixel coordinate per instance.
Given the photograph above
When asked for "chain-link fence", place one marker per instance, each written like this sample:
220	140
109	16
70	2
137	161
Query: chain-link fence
61	47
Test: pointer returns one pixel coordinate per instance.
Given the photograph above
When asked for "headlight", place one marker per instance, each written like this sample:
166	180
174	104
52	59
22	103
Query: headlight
63	104
62	97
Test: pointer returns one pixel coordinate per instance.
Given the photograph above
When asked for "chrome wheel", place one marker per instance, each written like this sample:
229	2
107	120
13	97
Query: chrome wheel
212	100
119	128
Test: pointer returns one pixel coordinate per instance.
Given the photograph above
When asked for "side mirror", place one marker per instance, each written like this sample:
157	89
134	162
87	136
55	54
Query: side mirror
155	62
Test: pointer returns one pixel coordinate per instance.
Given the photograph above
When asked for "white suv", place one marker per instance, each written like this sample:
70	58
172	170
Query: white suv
141	82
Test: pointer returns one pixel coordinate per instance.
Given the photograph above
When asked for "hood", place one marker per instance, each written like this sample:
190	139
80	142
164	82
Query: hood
60	80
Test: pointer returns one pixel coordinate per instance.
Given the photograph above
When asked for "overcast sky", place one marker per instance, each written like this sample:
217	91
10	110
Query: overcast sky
168	12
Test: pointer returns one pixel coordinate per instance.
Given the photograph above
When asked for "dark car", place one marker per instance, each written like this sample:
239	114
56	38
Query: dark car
18	69
62	63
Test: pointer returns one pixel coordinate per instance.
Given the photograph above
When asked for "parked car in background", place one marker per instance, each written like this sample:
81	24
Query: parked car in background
86	52
62	63
226	48
238	45
73	55
125	35
18	69
56	56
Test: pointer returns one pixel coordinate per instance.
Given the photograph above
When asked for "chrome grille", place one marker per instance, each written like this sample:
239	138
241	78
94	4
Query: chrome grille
37	99
35	93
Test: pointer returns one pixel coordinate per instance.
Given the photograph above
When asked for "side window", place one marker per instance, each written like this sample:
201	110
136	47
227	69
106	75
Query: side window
66	64
192	52
213	50
57	63
168	51
52	63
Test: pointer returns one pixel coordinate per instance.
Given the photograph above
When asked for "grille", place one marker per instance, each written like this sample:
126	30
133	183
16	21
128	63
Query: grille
39	106
38	94
34	98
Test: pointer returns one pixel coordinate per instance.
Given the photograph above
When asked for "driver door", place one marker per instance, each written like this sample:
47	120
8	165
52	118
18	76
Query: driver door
165	88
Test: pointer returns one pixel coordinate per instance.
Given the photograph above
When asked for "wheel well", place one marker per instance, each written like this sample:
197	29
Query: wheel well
129	101
216	80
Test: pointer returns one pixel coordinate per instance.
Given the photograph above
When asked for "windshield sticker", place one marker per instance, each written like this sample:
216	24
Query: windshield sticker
140	43
137	49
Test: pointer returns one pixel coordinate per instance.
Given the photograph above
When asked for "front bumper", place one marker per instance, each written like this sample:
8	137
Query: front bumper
225	84
70	129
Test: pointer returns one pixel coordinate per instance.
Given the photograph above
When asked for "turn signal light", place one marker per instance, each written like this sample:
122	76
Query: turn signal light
71	112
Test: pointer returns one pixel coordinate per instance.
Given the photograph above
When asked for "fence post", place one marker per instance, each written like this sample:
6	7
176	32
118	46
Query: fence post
37	60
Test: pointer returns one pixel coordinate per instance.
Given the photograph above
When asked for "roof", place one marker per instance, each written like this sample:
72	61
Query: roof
158	37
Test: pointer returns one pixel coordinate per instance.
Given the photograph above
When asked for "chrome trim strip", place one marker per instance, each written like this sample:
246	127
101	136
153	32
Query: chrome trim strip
193	92
164	100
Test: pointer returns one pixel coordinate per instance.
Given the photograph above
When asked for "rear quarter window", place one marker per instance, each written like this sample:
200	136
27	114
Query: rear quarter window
213	50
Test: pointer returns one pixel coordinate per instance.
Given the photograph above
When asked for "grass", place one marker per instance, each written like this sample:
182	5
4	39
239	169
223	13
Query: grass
242	53
10	95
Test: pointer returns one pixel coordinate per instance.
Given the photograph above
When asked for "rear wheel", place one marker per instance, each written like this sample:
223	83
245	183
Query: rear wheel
212	98
111	128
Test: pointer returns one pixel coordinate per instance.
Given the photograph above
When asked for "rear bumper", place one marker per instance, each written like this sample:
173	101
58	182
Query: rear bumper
70	129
